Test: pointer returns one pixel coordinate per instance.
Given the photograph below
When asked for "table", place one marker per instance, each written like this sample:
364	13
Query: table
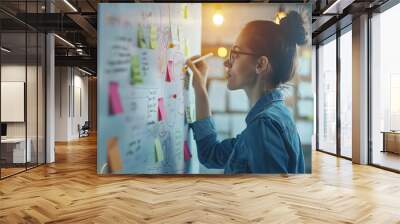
391	141
16	147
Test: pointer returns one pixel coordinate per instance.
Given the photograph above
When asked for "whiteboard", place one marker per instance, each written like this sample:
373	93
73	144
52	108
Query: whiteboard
145	101
12	101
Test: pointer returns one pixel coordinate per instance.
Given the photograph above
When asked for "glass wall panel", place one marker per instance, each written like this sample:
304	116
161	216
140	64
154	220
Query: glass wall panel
32	87
31	98
346	94
13	105
327	96
22	64
385	88
41	98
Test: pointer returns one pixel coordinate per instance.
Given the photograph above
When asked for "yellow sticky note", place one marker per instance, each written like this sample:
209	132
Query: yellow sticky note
136	76
186	50
185	11
153	37
159	155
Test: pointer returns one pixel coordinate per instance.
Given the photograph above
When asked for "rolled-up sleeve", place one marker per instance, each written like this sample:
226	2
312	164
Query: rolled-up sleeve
203	128
212	153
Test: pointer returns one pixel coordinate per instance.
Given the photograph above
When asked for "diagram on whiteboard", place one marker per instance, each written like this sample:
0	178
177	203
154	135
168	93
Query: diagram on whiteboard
145	99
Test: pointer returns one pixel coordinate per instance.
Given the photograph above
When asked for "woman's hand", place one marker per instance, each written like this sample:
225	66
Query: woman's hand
200	73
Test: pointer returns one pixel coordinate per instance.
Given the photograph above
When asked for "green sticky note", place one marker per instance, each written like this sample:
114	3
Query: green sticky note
136	76
141	41
153	37
158	150
186	49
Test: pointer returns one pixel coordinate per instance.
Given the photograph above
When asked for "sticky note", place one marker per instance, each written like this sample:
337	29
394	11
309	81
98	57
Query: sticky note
186	151
159	155
189	114
178	33
115	105
168	76
186	50
161	110
170	38
136	77
188	119
141	41
113	155
188	79
185	11
153	37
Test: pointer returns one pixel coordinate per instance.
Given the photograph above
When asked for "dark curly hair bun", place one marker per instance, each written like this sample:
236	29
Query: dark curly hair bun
292	26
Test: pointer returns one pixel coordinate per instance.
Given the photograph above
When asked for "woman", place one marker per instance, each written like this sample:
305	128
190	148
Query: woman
259	62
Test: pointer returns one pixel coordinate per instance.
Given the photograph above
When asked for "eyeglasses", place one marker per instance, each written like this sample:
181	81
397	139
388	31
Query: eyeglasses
234	54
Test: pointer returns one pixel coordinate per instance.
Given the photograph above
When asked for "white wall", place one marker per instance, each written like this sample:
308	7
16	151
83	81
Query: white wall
80	83
69	82
16	73
33	126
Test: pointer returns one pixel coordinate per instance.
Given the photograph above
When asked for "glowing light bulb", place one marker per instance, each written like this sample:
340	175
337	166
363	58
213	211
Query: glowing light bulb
280	15
218	18
222	52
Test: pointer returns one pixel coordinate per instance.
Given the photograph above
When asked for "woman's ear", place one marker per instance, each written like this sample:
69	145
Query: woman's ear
263	67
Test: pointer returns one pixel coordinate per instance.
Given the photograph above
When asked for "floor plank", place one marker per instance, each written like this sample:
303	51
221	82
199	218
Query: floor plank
70	191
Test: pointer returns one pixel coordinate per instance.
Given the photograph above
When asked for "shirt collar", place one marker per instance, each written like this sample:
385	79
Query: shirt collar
263	102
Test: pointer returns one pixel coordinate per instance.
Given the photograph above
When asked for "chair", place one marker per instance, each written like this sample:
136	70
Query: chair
84	130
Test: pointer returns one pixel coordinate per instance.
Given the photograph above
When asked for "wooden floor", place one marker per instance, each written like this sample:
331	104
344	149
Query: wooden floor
387	159
70	191
10	171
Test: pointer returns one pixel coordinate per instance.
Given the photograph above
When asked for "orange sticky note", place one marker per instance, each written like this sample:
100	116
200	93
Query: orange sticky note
161	111
186	151
115	105
113	155
168	76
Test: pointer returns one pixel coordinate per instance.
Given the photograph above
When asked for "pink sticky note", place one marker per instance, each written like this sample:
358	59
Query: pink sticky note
186	151
115	105
161	111
168	76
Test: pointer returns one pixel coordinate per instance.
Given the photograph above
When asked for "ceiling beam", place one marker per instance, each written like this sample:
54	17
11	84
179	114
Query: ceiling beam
81	61
86	26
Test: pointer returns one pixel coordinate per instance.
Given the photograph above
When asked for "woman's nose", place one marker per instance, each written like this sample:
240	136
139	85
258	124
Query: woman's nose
227	63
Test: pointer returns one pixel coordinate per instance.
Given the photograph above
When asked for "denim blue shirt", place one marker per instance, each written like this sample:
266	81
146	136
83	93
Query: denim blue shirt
269	143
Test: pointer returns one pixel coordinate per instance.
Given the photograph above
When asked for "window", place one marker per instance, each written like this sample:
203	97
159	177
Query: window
22	77
346	93
385	89
327	97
